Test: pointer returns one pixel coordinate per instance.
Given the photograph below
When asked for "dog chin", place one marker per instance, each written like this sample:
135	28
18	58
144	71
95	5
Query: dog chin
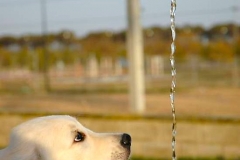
120	156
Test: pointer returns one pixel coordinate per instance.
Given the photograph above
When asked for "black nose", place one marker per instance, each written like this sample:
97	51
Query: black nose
126	141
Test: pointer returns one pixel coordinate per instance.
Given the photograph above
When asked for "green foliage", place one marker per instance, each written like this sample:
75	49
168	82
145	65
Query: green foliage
218	47
218	51
5	58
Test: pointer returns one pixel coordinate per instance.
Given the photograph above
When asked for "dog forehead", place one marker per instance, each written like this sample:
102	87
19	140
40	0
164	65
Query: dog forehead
51	122
60	120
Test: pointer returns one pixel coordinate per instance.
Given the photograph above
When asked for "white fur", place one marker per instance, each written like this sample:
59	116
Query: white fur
52	138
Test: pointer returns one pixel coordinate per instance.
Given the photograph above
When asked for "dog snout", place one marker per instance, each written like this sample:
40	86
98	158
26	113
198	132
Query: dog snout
126	141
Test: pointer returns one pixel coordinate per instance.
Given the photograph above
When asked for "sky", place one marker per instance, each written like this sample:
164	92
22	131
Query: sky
20	17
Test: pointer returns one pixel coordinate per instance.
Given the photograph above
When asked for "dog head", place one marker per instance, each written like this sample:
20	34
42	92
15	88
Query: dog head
63	138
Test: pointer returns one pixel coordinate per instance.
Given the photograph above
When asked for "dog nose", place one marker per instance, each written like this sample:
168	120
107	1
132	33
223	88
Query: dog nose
126	141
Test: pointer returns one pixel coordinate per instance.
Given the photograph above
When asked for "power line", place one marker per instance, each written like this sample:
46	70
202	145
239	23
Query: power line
10	27
71	21
17	3
116	18
194	12
30	2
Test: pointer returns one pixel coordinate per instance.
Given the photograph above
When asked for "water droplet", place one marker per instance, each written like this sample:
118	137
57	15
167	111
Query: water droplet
172	97
173	86
172	61
173	144
174	132
173	48
174	155
173	32
174	72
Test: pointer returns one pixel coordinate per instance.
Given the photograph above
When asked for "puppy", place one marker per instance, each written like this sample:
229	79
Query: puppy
64	138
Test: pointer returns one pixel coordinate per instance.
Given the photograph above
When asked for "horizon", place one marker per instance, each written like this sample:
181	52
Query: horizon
113	32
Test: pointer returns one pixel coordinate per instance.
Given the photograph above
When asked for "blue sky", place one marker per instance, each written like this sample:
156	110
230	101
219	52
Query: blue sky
18	17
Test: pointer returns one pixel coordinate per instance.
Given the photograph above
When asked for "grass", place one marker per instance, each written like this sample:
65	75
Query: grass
107	112
185	158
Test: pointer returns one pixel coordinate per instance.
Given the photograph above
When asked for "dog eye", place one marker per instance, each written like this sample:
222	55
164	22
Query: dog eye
79	137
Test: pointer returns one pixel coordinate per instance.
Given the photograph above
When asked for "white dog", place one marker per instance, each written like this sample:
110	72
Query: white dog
63	138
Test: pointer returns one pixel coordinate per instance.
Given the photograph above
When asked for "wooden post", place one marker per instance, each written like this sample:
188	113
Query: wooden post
135	55
45	43
235	74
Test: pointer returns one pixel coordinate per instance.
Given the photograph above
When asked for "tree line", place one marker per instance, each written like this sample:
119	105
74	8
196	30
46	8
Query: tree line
219	43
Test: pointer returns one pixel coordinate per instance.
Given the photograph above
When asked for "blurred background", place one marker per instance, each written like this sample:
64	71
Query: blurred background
71	57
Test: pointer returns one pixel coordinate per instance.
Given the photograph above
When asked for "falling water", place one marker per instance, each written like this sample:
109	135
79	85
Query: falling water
173	73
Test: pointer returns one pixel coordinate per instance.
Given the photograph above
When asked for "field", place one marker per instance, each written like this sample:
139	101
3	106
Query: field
208	119
197	102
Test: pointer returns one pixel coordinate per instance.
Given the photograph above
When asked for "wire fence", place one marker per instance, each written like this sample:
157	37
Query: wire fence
111	74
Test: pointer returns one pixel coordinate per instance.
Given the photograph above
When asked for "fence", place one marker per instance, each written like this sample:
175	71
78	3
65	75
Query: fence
191	72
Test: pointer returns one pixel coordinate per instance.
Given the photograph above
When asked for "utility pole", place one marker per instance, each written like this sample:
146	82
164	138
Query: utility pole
135	57
45	43
235	50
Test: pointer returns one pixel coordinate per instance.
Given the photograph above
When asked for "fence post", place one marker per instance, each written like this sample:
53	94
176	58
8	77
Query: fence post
92	67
